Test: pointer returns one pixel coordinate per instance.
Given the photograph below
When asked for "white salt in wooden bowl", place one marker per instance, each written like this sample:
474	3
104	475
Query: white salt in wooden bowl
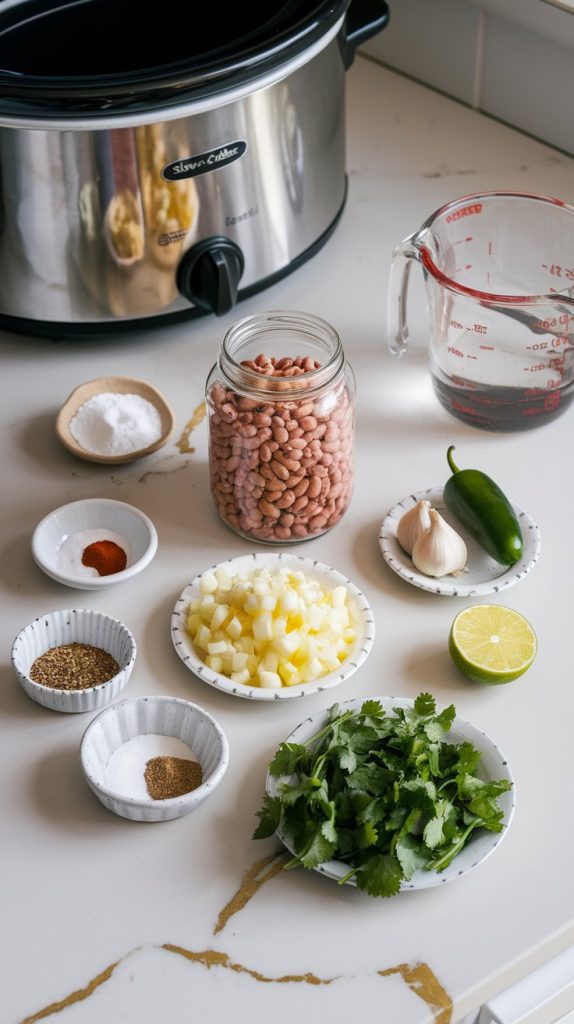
113	385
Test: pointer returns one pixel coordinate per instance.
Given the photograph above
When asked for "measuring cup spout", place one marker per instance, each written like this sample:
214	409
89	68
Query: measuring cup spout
397	330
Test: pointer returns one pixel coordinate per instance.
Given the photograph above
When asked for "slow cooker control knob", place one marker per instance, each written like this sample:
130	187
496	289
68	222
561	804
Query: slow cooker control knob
209	274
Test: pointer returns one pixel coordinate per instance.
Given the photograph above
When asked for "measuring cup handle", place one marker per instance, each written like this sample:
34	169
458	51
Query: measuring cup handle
397	330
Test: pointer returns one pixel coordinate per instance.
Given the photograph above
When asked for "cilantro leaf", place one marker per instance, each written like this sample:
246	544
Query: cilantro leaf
348	759
317	850
287	759
446	717
372	709
269	817
433	834
380	875
372	778
329	830
366	836
411	855
468	758
425	704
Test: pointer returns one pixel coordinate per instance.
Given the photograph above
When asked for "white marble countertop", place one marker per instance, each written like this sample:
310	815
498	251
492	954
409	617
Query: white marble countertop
103	919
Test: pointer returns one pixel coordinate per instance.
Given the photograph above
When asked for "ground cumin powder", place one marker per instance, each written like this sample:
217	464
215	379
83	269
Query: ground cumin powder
166	777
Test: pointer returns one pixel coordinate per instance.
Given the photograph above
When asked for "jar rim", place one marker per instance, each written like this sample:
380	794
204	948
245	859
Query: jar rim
251	382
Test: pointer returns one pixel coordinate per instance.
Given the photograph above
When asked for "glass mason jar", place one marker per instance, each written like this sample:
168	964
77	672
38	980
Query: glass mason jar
281	407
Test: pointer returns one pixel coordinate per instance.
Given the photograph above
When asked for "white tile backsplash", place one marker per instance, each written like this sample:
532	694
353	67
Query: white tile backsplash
434	42
513	59
528	81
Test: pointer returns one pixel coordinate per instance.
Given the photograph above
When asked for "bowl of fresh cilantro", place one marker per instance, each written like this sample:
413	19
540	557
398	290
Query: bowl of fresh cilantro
388	794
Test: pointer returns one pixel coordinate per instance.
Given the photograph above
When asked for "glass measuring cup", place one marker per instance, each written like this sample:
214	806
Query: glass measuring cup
499	276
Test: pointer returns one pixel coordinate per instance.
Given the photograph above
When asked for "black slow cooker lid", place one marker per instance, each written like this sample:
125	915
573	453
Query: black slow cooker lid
86	56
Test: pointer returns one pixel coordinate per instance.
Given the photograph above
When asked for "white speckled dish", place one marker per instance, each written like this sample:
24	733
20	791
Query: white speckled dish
94	514
482	843
484	575
364	625
165	716
75	625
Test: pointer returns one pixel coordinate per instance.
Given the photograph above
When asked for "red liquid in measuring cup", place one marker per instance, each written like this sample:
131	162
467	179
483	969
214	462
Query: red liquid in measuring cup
501	408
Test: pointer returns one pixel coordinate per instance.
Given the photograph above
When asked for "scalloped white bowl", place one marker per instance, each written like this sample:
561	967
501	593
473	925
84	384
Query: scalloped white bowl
74	625
164	716
363	622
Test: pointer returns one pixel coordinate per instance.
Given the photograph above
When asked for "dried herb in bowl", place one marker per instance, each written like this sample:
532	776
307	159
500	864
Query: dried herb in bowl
74	667
385	793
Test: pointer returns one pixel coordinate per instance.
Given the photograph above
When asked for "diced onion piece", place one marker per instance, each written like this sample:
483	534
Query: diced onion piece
240	677
288	644
208	583
223	579
289	673
203	637
219	616
234	628
269	680
262	626
219	647
339	597
271	661
214	662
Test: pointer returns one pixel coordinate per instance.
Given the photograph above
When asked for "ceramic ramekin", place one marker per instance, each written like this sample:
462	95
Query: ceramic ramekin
92	514
163	716
75	625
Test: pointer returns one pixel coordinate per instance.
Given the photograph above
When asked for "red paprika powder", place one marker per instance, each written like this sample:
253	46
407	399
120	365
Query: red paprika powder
105	556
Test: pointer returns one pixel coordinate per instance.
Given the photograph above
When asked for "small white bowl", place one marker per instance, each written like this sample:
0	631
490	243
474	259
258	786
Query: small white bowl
75	625
87	518
363	623
161	716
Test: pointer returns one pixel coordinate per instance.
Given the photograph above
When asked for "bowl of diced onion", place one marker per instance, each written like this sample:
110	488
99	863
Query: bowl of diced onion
272	626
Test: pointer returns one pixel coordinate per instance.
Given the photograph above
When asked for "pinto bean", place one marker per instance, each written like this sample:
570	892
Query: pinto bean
279	469
314	487
268	509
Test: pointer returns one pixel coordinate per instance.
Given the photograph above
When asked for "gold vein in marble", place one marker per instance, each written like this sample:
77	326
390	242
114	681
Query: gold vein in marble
425	984
75	997
213	958
198	415
253	879
419	977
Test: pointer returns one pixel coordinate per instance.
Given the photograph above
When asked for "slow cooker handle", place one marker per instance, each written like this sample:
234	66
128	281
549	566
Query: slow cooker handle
364	19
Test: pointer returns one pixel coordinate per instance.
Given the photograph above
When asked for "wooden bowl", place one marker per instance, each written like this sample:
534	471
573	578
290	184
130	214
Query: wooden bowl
115	385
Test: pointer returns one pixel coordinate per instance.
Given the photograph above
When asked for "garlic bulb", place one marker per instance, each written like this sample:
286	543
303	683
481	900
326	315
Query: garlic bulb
412	525
439	551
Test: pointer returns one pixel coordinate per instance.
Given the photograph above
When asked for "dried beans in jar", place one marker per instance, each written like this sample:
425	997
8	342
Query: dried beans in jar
281	404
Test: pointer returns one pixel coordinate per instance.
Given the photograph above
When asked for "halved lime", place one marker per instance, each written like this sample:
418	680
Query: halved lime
492	644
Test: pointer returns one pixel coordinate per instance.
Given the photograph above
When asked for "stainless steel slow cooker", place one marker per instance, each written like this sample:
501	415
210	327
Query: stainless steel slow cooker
155	169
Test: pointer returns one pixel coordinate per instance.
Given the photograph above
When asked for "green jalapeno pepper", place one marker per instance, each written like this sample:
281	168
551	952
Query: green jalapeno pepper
482	508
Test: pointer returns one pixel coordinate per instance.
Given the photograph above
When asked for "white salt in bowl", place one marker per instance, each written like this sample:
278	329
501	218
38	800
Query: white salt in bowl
75	625
116	386
164	718
92	519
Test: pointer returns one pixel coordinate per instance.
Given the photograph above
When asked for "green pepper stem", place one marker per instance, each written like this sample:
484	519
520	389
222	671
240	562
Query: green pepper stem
452	464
